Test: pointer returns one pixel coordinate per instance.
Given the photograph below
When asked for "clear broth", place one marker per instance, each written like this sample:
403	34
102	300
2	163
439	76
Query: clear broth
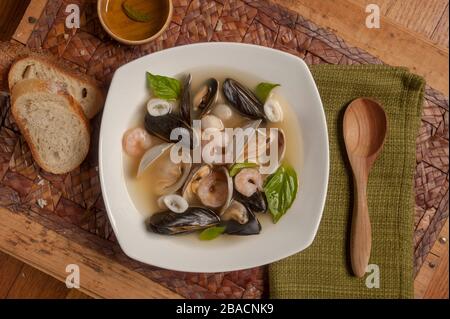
142	189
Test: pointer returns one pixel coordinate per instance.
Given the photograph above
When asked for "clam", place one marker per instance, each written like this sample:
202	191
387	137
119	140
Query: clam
263	144
168	175
207	96
170	128
152	155
241	141
193	219
276	141
240	220
243	100
185	100
211	187
189	190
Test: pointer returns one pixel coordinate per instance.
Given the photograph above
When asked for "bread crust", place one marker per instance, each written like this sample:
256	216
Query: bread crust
37	85
65	69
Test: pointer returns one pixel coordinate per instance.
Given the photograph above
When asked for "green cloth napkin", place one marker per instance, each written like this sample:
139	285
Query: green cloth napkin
323	270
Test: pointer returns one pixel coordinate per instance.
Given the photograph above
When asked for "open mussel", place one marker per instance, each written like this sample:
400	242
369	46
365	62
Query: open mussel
206	97
248	186
256	202
243	100
193	219
238	219
235	211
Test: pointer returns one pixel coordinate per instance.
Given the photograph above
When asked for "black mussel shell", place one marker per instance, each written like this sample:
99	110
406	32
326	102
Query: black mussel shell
185	100
252	227
243	100
208	100
162	126
193	219
256	203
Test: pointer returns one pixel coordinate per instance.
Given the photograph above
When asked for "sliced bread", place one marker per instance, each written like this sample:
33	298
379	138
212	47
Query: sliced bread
83	89
52	123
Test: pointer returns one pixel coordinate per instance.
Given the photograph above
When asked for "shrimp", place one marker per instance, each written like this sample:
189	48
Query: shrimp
136	141
213	190
248	181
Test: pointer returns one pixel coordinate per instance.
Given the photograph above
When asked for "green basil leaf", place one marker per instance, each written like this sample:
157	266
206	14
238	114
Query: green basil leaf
235	168
135	14
281	189
212	232
164	87
263	90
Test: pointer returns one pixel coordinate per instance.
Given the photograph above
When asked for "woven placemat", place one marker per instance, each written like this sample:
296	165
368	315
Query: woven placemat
73	201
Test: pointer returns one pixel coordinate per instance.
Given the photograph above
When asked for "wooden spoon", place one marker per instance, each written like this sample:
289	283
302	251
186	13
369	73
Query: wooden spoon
365	127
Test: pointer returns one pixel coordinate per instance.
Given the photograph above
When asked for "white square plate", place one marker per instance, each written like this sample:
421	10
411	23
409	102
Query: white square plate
293	233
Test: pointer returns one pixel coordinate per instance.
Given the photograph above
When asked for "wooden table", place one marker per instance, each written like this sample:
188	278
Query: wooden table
39	243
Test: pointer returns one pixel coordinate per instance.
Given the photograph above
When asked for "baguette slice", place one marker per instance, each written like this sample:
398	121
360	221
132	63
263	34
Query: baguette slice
83	89
52	123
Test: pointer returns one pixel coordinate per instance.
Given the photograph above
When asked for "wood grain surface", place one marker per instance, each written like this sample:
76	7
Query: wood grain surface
440	33
19	280
26	25
36	245
426	18
347	19
11	12
10	268
74	217
432	280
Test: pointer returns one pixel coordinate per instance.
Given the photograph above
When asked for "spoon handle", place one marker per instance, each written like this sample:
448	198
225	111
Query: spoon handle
361	233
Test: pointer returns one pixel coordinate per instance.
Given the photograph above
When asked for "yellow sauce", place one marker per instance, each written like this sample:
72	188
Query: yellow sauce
124	27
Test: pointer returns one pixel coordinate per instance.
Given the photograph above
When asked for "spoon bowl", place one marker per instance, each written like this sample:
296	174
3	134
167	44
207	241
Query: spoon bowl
365	128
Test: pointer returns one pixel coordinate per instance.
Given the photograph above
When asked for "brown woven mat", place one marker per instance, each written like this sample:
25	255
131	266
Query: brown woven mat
73	202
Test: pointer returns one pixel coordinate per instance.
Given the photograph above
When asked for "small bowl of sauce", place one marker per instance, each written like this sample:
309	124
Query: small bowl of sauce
134	22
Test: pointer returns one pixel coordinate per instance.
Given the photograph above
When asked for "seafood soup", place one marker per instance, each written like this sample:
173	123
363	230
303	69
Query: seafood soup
188	169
